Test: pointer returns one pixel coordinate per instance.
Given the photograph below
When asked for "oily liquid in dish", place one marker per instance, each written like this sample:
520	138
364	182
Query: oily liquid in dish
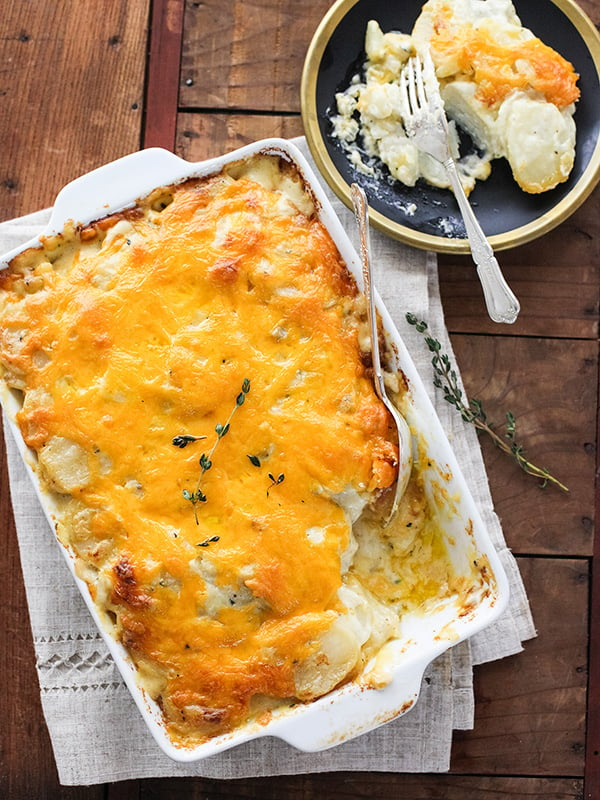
195	386
510	92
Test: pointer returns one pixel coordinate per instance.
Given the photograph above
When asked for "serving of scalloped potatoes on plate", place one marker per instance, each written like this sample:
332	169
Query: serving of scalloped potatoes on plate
514	95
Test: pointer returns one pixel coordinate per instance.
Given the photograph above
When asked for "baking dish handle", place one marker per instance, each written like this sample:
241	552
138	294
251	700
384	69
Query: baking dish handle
108	188
364	709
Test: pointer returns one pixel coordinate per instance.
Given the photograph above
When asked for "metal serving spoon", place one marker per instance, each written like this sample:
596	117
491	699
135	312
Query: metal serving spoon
361	208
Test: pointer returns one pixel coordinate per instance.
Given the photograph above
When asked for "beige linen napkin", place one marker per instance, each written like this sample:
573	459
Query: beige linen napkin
96	731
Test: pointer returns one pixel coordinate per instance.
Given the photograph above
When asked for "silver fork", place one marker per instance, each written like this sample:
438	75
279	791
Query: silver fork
425	121
405	459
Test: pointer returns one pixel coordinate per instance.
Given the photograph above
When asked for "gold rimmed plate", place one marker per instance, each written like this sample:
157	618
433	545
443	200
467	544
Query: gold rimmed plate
419	214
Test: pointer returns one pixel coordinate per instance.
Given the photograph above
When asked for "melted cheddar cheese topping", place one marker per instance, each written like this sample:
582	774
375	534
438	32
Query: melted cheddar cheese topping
499	65
156	323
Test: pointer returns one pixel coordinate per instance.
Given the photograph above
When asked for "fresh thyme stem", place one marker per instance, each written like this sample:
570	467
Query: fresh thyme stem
445	378
205	459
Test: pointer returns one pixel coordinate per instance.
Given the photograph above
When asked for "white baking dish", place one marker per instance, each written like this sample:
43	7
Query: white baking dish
355	708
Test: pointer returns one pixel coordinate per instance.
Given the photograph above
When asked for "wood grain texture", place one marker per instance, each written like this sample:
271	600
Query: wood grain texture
592	753
201	136
530	708
71	93
355	786
555	278
160	108
550	387
247	55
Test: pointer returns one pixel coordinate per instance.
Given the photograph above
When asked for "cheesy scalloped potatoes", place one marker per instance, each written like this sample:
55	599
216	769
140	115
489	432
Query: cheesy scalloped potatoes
195	389
513	94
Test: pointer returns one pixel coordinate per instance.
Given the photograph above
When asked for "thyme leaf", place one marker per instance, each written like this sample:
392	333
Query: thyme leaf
275	481
208	541
184	439
445	379
205	462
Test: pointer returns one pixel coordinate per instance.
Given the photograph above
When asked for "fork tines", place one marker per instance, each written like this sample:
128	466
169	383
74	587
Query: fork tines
422	107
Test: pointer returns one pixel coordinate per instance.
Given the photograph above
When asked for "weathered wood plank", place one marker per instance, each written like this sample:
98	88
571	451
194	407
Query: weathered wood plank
554	277
85	79
201	136
530	708
592	752
160	112
71	92
247	55
375	786
131	790
556	300
550	387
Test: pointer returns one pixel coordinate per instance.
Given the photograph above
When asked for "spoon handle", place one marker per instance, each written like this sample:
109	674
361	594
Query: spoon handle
500	300
359	200
405	460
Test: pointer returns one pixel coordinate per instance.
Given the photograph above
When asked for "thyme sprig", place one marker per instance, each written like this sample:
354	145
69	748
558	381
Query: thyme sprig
205	460
445	378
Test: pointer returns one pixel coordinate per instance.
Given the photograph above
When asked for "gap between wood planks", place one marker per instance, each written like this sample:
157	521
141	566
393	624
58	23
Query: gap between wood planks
162	76
592	753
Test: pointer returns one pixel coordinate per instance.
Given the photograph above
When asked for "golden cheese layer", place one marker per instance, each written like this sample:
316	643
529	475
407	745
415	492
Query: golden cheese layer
202	412
498	63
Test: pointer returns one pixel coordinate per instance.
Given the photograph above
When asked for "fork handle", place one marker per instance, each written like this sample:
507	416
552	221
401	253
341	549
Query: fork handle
502	305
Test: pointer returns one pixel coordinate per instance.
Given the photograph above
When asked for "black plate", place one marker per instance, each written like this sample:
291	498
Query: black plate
507	215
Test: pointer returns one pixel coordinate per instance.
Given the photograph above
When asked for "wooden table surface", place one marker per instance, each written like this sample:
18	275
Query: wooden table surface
84	83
